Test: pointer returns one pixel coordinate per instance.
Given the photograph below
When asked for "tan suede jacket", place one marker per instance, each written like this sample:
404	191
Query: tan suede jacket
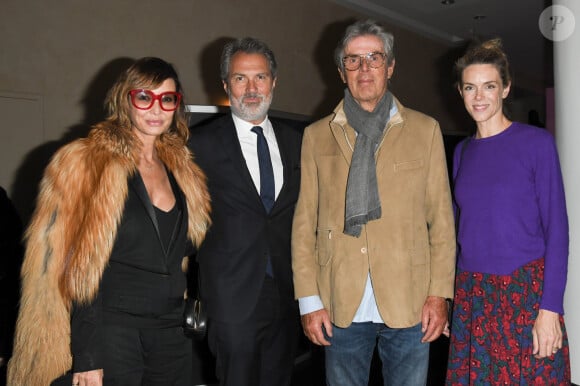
409	251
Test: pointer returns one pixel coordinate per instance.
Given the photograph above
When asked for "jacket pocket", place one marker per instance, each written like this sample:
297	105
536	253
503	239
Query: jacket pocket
324	246
409	165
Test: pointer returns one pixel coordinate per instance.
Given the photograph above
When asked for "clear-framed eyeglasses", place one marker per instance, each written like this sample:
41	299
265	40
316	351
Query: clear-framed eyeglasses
372	59
144	99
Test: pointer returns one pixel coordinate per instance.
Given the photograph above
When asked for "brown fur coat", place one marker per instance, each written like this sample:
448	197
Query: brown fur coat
70	238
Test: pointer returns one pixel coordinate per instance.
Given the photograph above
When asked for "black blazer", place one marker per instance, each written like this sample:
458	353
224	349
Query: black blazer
232	258
143	284
145	278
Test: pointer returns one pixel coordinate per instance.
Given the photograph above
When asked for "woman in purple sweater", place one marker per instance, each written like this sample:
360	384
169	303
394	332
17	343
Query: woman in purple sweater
507	325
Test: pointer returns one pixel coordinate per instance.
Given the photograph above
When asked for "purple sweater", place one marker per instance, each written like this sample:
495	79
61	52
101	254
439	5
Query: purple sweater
511	209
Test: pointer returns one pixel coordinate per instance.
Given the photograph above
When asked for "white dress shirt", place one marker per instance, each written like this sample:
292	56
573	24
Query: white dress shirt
249	143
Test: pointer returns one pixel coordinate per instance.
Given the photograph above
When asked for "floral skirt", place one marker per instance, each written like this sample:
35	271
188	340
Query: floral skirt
491	331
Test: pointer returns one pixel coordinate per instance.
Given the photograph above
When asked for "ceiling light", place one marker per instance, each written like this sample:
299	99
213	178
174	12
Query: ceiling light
447	2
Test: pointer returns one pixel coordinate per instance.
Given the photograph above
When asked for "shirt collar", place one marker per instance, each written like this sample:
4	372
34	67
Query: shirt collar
244	128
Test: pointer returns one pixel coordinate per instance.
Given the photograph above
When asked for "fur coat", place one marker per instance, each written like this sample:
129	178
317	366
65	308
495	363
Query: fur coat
71	236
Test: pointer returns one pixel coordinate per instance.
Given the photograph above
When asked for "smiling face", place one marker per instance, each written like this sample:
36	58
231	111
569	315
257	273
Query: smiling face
250	86
367	85
483	93
149	124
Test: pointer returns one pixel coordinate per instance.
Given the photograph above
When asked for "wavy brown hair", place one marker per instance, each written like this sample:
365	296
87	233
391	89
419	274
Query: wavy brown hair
145	73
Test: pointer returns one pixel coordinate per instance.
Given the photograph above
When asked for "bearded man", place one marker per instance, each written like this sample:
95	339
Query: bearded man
253	169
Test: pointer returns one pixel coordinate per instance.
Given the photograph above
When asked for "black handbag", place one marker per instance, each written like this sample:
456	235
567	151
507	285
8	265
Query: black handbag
195	315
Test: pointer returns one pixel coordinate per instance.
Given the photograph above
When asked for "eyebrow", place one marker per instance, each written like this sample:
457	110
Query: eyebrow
365	53
487	82
246	75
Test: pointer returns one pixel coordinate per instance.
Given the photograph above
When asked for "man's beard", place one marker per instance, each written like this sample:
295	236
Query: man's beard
251	111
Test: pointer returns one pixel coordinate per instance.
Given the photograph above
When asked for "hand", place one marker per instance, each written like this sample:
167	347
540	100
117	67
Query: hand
546	334
88	378
312	324
433	318
446	330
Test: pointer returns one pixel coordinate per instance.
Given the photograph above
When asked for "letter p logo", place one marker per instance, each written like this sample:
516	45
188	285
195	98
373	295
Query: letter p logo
557	23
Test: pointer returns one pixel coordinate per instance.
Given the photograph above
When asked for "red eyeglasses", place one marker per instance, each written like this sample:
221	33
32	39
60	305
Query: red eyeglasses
144	99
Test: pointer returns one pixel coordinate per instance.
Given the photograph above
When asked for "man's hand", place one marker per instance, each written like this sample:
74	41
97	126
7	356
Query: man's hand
433	318
546	334
88	378
312	324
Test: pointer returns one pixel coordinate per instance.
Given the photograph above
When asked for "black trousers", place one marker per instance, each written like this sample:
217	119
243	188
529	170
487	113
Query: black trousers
260	350
144	357
147	357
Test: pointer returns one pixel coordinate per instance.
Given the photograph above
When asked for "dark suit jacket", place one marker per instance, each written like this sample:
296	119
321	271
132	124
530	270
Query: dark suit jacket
232	258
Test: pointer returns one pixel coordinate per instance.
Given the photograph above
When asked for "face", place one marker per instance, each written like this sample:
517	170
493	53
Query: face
154	121
367	85
483	92
250	86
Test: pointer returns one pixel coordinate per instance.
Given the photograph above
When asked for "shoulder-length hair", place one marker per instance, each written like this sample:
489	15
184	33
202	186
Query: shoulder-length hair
145	73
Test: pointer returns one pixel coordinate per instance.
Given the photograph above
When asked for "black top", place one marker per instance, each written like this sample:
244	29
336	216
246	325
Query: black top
143	284
167	224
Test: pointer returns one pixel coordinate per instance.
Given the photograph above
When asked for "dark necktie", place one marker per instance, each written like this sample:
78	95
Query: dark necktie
267	191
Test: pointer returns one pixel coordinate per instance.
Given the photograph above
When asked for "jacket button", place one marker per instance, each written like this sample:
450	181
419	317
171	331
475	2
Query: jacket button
363	250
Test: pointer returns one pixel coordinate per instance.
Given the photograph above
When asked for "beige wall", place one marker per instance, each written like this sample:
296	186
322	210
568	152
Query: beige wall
66	53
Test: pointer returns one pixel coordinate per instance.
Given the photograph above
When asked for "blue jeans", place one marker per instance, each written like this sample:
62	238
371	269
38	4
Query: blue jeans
405	360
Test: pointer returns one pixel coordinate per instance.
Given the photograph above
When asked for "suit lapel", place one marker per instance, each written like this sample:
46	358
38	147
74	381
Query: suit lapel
285	157
345	138
279	133
138	186
392	131
179	205
231	146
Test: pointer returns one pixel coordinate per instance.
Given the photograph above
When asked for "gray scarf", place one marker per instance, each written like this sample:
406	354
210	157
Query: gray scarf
362	193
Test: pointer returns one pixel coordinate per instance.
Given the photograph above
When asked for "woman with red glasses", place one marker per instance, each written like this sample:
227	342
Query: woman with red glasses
103	279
